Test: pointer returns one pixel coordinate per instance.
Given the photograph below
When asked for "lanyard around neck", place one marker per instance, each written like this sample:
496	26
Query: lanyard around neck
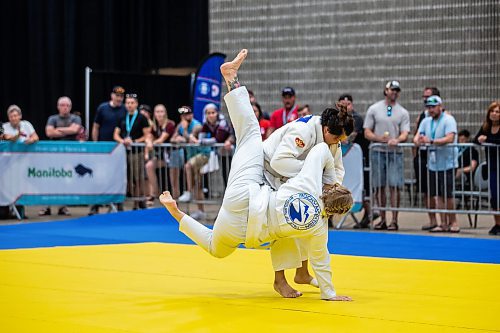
286	117
433	129
129	123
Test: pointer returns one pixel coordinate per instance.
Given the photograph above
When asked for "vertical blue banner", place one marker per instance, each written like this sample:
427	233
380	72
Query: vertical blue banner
207	84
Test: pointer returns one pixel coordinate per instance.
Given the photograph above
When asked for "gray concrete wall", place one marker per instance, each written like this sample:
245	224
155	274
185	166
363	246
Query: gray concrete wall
325	48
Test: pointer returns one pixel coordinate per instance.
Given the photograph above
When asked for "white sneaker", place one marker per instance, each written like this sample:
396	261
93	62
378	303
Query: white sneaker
199	215
185	197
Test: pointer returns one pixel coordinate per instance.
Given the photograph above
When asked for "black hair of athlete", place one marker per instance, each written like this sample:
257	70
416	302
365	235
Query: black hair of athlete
337	120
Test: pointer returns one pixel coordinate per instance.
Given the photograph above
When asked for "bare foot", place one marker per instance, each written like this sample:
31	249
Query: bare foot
307	279
286	291
229	70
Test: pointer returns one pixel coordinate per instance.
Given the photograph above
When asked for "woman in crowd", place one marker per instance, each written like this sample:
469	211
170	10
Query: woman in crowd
489	134
264	124
162	130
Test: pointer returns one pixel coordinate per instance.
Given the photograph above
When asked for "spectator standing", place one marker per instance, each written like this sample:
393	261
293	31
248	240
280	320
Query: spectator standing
108	114
420	159
468	160
62	126
18	130
358	136
186	132
287	113
489	133
438	130
133	128
387	122
162	131
264	124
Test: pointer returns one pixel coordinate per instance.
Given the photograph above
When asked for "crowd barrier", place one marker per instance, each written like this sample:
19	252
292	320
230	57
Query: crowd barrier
96	173
406	168
199	169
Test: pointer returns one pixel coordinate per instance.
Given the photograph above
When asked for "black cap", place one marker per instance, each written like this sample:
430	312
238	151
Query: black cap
119	90
288	91
345	97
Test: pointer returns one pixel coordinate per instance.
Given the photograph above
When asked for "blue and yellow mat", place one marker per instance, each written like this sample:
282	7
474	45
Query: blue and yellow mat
135	272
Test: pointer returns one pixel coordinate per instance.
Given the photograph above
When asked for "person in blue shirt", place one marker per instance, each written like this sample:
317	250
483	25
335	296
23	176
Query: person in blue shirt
439	130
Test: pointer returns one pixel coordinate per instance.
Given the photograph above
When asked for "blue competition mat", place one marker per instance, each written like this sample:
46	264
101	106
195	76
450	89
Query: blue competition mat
156	225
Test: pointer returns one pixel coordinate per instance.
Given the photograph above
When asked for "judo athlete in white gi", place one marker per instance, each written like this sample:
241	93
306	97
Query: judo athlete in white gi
285	152
252	213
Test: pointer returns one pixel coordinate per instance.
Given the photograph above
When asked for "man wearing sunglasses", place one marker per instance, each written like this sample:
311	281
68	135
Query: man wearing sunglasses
387	122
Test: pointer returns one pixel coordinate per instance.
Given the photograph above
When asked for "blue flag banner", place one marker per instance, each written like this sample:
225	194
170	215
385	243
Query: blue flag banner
207	84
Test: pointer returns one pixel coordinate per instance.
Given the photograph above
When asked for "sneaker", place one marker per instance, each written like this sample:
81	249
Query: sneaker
495	231
45	212
199	215
185	197
64	211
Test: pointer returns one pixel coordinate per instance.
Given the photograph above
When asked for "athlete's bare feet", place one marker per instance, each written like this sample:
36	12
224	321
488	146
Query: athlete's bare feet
229	70
308	279
285	290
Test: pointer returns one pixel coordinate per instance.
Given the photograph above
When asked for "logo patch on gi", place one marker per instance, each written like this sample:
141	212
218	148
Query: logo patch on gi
299	142
302	211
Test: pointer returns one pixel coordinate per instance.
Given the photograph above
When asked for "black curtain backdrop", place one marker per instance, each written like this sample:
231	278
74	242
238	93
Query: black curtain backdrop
171	91
46	45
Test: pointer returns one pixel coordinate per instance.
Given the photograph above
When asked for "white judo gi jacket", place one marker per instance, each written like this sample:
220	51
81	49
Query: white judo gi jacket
286	149
253	214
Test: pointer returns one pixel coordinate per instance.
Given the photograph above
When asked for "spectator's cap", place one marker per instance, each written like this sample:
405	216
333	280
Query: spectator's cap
288	91
433	101
393	85
345	97
184	110
119	90
210	106
146	108
133	95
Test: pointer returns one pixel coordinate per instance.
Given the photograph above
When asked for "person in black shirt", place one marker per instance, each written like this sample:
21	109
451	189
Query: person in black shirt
468	160
133	128
489	133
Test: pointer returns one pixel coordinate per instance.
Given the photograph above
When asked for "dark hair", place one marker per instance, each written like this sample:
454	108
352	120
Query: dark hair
487	122
345	96
303	107
257	105
465	133
435	91
337	120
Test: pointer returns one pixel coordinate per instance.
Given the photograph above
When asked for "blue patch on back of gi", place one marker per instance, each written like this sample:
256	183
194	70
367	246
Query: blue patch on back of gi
305	119
301	211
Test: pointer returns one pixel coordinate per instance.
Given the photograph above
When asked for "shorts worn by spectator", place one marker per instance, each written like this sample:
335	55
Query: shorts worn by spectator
438	130
133	128
387	122
186	132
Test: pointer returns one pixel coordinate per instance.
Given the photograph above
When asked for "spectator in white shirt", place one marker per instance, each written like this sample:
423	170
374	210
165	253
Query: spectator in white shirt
18	130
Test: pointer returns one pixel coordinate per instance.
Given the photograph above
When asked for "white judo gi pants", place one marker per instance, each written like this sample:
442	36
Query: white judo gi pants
230	227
